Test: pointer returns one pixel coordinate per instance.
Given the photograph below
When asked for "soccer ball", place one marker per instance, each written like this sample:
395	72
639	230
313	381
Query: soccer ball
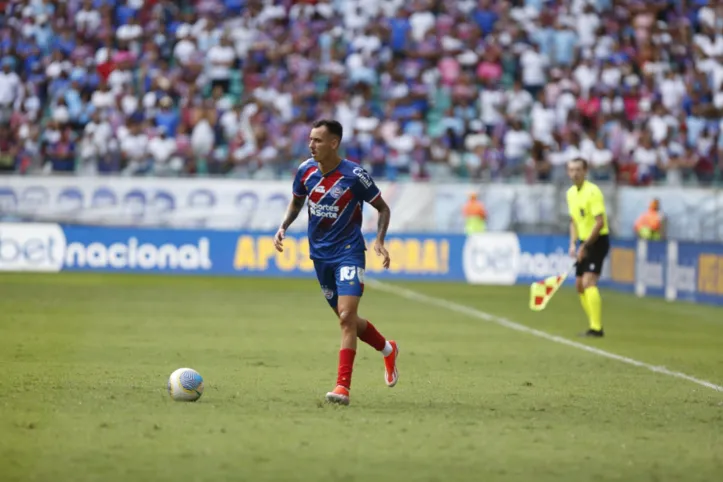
185	385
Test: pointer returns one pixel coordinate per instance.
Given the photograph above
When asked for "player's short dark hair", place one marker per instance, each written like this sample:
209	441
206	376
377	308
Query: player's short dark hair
581	160
333	126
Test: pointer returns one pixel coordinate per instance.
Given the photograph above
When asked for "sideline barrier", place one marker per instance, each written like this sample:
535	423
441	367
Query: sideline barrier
673	270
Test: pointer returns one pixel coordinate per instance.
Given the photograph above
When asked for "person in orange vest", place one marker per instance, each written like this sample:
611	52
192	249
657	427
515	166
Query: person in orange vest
650	225
475	215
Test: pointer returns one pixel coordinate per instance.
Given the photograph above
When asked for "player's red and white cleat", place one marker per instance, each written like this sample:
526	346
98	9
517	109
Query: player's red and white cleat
391	375
339	395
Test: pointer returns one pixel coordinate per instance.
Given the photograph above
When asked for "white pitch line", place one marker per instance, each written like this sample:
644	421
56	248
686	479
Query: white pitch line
481	315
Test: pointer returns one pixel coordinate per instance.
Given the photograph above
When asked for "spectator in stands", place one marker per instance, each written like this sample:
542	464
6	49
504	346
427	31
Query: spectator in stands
406	79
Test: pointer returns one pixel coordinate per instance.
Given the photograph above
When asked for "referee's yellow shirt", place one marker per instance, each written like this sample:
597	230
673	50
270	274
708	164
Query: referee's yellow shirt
585	204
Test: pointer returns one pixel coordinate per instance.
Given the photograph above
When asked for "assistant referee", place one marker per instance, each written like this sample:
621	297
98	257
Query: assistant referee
589	225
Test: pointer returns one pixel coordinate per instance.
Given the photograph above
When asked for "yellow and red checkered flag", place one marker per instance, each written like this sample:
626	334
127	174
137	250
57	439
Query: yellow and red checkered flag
541	292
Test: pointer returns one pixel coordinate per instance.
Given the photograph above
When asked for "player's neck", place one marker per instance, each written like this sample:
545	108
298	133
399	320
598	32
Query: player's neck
579	185
330	164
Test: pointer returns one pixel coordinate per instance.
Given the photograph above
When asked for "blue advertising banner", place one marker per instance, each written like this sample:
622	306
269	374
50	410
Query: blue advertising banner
699	272
619	270
250	254
673	270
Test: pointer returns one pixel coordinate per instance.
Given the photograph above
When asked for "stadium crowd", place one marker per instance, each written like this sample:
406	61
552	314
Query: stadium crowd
425	89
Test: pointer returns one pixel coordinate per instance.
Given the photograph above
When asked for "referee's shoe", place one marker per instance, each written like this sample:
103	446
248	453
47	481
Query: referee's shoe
593	333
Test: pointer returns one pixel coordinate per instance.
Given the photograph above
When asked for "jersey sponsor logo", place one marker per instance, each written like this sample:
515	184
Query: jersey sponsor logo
363	177
336	192
323	210
320	188
347	273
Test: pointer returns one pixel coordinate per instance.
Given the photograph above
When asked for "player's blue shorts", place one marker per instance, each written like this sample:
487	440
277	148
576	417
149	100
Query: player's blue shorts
344	277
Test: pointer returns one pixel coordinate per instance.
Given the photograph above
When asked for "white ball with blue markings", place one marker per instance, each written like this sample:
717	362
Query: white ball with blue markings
185	385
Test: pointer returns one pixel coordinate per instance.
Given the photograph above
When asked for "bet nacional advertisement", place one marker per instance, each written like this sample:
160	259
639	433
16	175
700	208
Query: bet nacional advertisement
671	270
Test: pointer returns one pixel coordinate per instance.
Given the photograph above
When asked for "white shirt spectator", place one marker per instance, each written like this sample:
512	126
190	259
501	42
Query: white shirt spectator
366	45
421	22
543	123
55	68
533	67
10	90
230	123
711	47
645	157
87	20
102	55
518	103
135	147
218	57
517	143
161	148
118	79
586	77
557	158
565	103
490	104
611	76
103	99
184	50
571	152
587	147
658	127
100	134
601	157
129	32
129	104
587	25
202	138
366	127
672	92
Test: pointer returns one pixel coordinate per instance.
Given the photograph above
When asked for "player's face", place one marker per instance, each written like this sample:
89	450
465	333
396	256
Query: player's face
322	144
576	171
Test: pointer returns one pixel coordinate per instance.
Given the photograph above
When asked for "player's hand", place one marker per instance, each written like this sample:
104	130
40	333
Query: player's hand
573	251
581	253
279	240
382	251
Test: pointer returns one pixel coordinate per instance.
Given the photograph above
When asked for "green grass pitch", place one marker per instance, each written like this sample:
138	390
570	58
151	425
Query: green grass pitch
85	359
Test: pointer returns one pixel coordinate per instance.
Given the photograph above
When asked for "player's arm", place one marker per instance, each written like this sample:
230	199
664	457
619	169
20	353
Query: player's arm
292	212
573	238
599	223
369	192
385	215
298	189
597	209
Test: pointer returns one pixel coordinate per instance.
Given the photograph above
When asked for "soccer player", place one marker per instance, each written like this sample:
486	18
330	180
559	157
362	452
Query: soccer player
589	225
337	189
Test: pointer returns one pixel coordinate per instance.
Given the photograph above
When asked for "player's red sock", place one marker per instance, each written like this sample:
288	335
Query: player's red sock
373	338
346	364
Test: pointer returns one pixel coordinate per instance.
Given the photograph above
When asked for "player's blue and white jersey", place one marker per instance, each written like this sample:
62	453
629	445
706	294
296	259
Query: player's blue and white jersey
335	203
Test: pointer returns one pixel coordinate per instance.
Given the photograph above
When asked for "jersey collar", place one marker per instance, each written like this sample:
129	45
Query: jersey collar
324	174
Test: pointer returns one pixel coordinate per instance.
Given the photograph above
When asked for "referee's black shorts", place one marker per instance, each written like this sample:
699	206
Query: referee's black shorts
594	257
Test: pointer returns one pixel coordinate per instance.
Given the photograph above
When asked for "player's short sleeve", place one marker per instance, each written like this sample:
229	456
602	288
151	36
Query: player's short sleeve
572	206
298	187
597	202
365	186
